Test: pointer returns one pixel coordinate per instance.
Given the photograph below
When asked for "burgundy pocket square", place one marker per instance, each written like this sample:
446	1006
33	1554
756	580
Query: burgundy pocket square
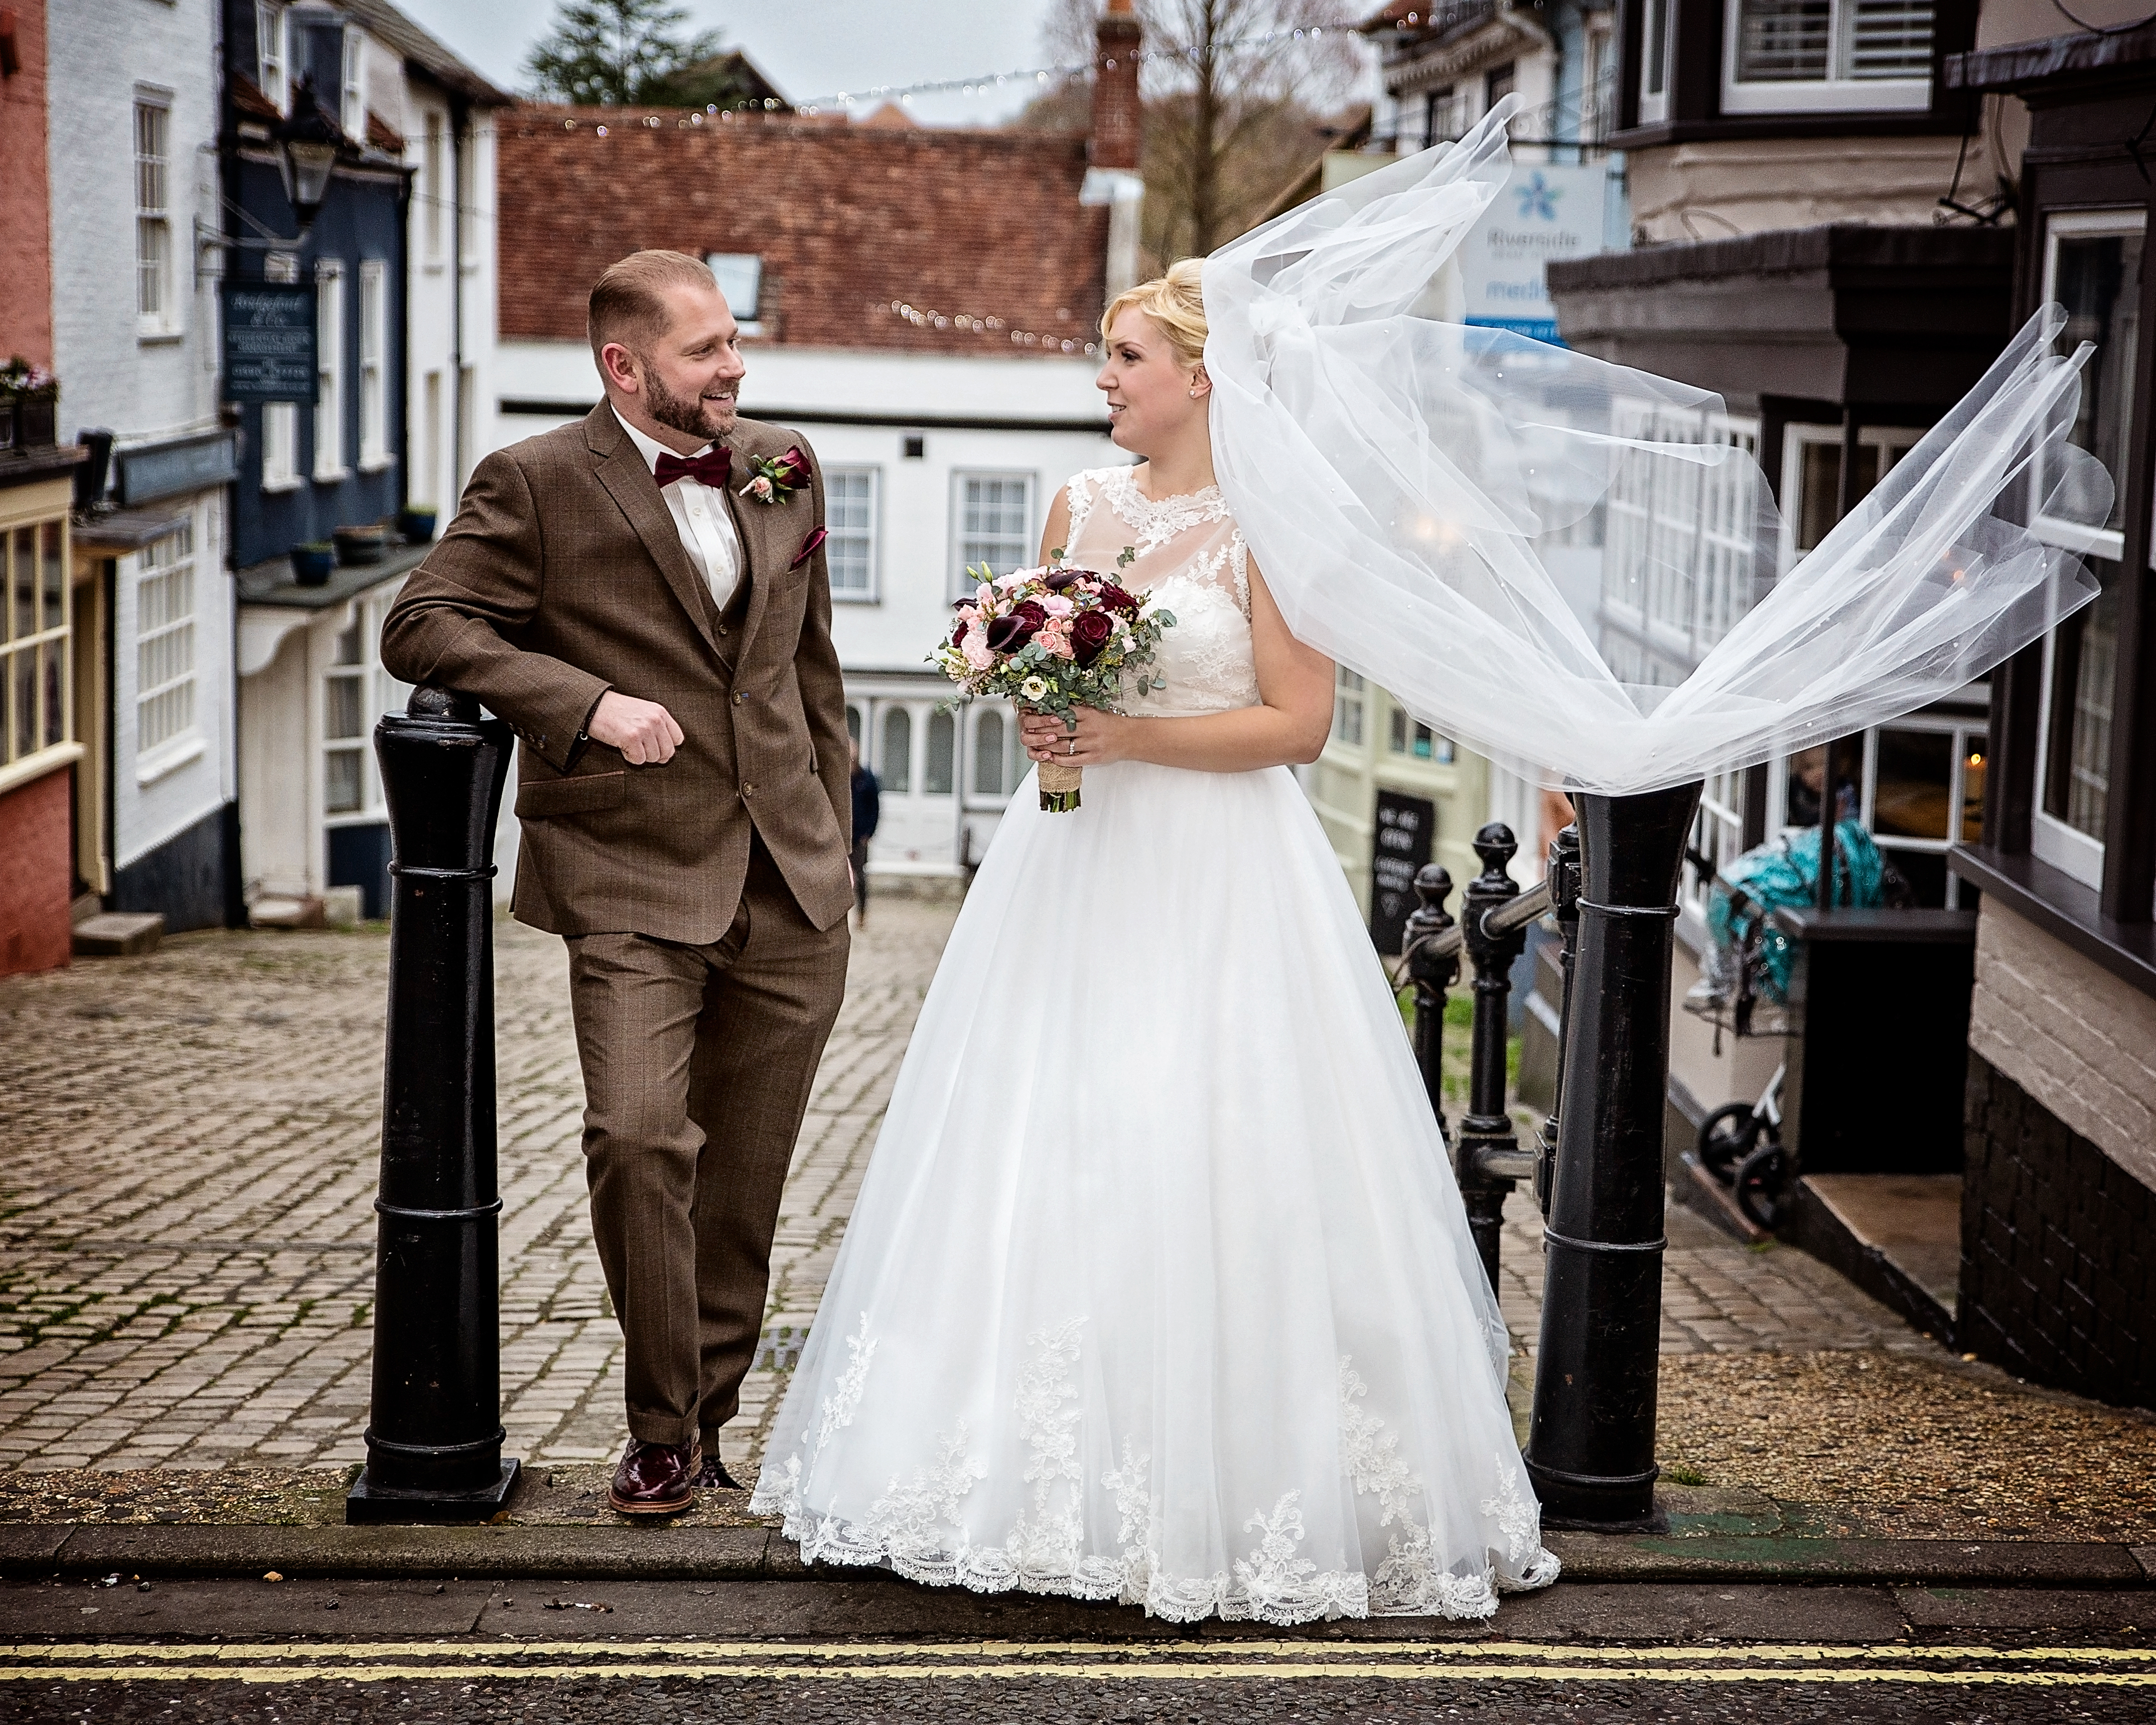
809	548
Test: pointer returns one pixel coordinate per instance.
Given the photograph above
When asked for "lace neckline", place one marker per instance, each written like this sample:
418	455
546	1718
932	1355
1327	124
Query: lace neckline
1158	521
1139	510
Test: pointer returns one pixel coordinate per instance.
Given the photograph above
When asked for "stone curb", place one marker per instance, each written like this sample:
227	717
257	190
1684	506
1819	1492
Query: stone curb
90	1549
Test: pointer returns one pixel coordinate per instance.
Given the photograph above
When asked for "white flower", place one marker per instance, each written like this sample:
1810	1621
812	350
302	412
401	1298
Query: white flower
1032	688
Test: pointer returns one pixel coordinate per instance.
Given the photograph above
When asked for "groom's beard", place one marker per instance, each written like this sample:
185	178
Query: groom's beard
699	416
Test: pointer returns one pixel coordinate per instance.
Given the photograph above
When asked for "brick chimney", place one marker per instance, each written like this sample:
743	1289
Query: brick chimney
1112	177
1116	120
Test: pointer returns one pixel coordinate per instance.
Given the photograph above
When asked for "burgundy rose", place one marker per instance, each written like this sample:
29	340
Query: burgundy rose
1090	631
1007	635
1034	612
792	467
1116	599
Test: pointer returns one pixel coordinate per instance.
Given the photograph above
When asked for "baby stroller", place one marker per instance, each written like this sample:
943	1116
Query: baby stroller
1744	985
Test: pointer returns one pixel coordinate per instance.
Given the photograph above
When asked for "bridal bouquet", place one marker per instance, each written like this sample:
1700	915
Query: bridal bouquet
1049	640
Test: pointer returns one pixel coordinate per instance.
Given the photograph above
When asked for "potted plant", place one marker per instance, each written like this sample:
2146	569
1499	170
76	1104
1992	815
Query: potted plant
359	545
29	406
416	523
313	562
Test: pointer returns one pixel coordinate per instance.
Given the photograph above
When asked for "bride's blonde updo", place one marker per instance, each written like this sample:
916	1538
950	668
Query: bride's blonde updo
1175	302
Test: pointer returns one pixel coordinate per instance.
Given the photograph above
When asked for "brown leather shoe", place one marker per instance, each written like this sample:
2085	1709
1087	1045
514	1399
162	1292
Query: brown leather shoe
655	1479
712	1475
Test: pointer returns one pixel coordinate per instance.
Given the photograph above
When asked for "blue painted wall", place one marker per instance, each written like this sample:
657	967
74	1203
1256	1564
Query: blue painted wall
362	220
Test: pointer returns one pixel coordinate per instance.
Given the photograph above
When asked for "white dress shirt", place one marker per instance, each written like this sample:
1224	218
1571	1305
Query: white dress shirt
700	517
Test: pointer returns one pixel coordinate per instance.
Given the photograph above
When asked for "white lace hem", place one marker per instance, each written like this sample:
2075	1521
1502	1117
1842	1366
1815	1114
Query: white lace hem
1331	1595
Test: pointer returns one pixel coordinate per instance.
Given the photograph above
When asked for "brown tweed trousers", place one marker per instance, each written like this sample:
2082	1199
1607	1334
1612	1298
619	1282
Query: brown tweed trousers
703	901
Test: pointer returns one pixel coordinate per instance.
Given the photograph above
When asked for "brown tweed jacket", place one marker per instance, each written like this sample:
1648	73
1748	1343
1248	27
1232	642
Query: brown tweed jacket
562	577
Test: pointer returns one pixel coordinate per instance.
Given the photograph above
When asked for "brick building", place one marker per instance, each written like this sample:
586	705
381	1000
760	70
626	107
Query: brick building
2058	1271
922	303
37	747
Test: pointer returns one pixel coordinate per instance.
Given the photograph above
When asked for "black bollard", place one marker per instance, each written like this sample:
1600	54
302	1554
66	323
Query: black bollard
1486	1157
1432	952
434	1436
1591	1441
1564	879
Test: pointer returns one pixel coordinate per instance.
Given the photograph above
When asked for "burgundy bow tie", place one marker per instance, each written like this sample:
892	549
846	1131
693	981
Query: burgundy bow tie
710	468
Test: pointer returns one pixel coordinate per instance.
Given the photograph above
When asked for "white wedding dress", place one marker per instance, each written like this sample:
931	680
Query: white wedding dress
1158	1287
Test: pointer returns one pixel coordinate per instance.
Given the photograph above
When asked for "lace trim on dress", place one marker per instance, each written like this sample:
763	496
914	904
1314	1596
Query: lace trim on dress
1156	523
916	1527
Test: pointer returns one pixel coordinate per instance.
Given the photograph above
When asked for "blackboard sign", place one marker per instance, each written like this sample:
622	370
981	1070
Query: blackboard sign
1405	828
268	341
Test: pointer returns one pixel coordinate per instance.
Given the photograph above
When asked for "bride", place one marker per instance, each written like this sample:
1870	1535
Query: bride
1158	1288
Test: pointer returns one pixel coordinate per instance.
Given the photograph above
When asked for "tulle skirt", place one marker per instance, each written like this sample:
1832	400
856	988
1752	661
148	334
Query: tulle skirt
1158	1287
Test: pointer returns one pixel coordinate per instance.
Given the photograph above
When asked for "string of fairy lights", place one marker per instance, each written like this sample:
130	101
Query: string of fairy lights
988	84
984	85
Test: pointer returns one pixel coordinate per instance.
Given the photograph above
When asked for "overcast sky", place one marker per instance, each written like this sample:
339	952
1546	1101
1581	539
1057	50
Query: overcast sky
807	47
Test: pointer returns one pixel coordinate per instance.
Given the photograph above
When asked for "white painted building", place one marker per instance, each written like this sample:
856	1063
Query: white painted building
134	175
406	335
931	462
923	305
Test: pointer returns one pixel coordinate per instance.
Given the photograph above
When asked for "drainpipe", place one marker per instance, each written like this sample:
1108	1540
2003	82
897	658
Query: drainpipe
459	142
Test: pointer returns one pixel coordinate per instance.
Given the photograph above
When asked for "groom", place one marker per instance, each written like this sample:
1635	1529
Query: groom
643	596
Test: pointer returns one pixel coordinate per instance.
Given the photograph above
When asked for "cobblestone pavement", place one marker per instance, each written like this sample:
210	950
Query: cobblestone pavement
187	1156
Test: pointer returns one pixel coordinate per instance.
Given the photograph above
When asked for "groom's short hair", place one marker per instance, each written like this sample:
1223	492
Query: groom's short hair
628	300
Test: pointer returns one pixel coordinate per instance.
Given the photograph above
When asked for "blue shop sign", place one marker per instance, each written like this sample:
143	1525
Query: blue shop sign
268	341
191	464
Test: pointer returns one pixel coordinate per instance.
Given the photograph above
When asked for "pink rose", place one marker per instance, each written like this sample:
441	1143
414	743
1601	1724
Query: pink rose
975	647
1055	605
760	489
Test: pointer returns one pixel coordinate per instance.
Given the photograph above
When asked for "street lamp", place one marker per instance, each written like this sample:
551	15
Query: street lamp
308	142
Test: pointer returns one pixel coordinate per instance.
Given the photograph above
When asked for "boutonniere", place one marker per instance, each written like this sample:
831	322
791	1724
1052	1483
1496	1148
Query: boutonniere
777	477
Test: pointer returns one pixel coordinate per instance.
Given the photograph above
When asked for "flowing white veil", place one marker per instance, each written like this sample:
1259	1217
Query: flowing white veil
1405	485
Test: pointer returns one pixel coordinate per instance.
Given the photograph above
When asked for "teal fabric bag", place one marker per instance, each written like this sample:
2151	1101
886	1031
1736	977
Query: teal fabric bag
1782	873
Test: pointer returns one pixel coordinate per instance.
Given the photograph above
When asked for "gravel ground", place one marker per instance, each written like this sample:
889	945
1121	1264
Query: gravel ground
1847	1444
1901	1445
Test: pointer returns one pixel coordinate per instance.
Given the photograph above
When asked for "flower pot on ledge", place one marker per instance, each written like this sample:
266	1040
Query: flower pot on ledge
417	526
359	545
312	564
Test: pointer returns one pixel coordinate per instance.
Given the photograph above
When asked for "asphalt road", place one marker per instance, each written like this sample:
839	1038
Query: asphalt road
312	1652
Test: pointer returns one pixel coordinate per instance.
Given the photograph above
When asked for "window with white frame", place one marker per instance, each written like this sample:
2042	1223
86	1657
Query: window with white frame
281	445
34	629
1681	549
995	524
1408	736
431	195
1783	55
1717	834
373	383
849	517
740	276
344	722
1656	26
940	776
352	99
894	758
165	640
1811	475
1350	694
270	50
990	778
329	370
2092	262
157	307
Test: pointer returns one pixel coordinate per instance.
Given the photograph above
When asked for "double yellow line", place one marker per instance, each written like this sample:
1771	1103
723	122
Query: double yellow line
1392	1661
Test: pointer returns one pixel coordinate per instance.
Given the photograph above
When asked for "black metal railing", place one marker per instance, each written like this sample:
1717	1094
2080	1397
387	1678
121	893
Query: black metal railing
1597	1165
